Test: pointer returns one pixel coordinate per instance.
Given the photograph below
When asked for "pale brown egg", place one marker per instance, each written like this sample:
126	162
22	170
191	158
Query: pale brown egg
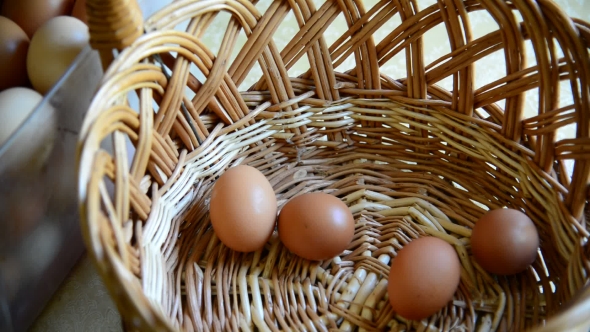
53	49
14	44
316	226
504	241
243	209
32	14
423	278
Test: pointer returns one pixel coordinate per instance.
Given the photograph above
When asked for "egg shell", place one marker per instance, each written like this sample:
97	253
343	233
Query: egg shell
423	278
30	15
316	226
243	209
53	49
504	241
28	152
14	44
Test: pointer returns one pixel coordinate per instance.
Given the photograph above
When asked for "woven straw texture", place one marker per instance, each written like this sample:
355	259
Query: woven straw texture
408	156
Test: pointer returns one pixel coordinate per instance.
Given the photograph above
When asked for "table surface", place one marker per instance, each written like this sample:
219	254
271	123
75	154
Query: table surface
83	304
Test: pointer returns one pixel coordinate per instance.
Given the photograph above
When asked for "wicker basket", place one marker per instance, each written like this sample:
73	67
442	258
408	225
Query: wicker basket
410	158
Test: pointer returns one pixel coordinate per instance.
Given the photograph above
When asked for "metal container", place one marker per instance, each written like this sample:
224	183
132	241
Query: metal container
40	239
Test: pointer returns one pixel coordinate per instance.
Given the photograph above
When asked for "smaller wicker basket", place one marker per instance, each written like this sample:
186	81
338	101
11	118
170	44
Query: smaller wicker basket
410	158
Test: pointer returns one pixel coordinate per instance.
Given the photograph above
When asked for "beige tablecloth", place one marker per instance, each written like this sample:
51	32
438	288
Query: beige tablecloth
83	304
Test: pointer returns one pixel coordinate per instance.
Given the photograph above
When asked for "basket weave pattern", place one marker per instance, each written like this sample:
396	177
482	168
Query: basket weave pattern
410	158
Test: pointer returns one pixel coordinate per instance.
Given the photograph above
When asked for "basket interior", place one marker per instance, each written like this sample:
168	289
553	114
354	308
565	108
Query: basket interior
396	193
410	157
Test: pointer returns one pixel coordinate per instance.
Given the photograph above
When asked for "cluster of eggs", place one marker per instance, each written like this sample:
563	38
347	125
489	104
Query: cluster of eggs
243	212
39	40
425	273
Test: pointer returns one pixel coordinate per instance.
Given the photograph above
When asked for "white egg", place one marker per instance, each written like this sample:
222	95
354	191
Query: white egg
29	148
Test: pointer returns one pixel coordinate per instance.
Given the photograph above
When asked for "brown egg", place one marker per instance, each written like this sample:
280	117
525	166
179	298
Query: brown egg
53	49
14	45
32	14
423	278
504	241
316	226
79	11
243	209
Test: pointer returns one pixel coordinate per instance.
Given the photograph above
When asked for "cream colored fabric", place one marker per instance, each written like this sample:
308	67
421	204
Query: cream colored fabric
83	304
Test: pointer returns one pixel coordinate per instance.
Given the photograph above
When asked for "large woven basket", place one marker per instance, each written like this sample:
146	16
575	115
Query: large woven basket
409	157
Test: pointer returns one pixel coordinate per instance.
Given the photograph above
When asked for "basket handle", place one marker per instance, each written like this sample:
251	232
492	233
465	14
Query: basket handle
113	25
